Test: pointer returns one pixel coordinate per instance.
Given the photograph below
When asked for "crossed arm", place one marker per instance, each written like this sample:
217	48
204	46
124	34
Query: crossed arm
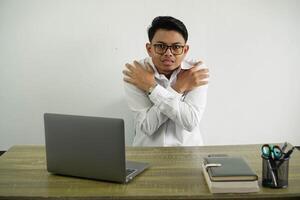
183	102
143	78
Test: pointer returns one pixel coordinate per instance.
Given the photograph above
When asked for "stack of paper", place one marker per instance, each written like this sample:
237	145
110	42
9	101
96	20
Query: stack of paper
229	175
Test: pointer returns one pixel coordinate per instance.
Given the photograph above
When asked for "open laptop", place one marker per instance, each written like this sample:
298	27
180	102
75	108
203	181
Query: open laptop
88	147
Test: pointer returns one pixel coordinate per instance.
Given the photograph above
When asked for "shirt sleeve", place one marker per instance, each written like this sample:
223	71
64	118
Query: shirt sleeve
147	116
185	110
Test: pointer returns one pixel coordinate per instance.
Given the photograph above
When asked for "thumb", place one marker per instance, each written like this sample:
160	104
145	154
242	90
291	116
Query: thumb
182	71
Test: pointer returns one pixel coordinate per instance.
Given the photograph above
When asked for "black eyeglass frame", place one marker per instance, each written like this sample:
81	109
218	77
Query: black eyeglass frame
171	47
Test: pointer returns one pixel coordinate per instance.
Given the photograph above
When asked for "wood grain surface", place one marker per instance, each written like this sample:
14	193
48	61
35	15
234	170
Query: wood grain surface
175	173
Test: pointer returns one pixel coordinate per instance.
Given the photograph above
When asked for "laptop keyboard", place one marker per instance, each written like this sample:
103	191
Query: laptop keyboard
130	171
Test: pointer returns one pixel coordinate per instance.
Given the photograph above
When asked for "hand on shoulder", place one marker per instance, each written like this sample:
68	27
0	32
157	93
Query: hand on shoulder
188	79
140	76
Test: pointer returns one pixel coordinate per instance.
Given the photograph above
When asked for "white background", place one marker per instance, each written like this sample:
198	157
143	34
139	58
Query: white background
67	57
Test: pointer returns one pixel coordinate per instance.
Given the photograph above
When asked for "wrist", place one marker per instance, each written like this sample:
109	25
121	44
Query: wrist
150	90
178	89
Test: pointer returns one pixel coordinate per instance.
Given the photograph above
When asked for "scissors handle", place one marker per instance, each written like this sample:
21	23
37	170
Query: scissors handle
271	152
266	150
277	152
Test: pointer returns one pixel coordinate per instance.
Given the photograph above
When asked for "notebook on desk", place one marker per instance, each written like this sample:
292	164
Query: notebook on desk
230	169
229	175
88	147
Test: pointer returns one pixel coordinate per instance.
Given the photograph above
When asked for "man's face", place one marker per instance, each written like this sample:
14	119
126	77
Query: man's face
167	59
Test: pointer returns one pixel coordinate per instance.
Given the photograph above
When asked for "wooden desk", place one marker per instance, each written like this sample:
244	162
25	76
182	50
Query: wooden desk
175	174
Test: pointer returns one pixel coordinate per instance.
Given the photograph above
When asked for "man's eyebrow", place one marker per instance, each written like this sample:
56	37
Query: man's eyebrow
161	42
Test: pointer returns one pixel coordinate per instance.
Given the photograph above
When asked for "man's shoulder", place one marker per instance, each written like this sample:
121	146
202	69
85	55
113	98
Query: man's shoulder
147	60
188	63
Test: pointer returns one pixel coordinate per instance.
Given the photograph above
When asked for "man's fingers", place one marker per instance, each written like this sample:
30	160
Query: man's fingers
195	68
149	68
128	80
200	83
198	63
129	67
202	75
201	71
205	70
137	64
127	73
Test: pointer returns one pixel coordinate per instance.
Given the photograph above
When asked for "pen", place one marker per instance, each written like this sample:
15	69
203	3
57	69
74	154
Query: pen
284	147
288	154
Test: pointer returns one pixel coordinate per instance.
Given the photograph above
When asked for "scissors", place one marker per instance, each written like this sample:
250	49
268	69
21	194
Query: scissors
271	152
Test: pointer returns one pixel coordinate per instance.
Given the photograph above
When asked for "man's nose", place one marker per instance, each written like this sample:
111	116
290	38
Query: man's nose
168	52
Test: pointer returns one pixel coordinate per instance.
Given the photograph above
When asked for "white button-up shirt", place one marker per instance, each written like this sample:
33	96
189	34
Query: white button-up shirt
166	117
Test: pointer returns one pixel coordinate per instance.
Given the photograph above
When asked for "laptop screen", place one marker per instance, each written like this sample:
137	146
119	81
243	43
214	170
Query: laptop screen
90	147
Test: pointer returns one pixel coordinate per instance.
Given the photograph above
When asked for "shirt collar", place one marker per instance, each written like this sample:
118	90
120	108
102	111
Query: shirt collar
184	65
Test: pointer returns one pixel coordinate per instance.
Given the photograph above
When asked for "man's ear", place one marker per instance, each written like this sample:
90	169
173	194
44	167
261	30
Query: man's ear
149	49
186	49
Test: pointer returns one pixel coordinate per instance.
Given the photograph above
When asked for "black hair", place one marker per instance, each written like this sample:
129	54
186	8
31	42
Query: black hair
168	23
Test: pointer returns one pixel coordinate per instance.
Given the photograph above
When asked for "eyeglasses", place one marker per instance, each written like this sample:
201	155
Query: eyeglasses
176	49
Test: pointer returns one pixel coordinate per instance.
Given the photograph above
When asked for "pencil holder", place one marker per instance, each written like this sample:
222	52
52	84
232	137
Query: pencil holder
275	173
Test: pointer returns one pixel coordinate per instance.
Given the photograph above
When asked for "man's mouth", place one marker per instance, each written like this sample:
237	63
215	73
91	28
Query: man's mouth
168	62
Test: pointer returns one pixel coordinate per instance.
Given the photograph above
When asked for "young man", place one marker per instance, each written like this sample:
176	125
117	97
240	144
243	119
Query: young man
166	93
